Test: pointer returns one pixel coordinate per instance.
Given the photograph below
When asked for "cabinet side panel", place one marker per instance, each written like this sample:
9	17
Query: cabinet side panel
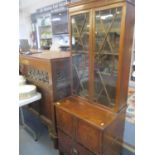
61	78
113	135
46	105
127	51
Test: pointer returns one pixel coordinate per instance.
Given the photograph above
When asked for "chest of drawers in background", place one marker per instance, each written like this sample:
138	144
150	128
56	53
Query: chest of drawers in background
50	72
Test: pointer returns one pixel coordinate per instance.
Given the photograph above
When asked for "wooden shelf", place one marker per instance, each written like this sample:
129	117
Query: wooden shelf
44	26
45	38
106	53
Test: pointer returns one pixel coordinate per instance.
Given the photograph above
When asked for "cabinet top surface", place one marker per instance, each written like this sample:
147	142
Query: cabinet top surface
48	55
83	2
86	111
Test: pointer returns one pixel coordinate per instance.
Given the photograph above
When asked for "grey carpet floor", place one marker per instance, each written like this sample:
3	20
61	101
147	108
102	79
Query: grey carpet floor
27	146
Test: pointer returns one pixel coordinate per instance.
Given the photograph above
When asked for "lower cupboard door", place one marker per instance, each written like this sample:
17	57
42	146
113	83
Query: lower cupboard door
89	137
64	143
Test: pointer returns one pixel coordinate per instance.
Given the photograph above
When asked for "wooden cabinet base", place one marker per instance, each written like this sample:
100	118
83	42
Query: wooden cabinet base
86	129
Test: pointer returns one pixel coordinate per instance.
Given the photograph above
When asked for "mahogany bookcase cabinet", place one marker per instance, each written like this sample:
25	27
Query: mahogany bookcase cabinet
91	120
49	72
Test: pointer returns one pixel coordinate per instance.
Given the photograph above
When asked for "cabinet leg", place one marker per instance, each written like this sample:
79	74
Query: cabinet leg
55	142
53	137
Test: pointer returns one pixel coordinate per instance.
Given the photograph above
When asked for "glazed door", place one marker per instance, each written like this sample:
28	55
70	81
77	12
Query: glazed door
80	40
107	28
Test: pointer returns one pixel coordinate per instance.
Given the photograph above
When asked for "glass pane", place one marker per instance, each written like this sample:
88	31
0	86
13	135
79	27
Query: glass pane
59	22
107	36
80	61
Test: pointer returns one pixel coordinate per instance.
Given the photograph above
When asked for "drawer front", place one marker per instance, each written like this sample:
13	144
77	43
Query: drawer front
70	147
83	151
89	136
64	121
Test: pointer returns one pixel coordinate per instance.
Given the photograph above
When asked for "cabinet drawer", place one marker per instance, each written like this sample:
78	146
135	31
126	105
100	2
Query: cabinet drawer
83	151
64	121
89	136
70	147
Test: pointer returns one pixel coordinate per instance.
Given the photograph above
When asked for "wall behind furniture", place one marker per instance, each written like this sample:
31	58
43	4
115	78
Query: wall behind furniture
26	8
24	25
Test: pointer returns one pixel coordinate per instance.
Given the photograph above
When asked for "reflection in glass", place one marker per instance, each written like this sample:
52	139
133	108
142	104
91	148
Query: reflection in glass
107	36
80	39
